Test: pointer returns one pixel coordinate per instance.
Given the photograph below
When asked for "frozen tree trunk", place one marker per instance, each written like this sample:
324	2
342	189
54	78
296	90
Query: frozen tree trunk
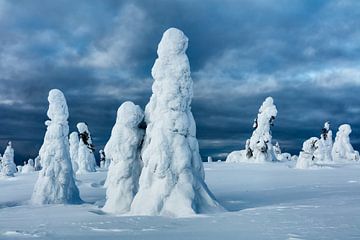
306	156
172	179
342	149
56	184
8	164
74	149
258	148
86	159
123	148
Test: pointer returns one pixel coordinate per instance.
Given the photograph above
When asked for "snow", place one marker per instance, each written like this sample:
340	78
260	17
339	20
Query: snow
259	148
267	201
342	149
172	179
7	161
56	183
28	167
123	148
74	149
306	156
85	159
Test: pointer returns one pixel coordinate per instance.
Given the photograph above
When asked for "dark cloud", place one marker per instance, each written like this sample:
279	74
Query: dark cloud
306	55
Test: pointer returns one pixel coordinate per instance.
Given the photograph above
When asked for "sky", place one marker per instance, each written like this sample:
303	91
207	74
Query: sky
305	54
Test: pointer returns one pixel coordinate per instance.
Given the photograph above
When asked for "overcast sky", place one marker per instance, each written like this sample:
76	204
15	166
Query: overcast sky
306	54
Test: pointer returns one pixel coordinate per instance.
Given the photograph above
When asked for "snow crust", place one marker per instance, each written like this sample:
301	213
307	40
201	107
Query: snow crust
123	148
172	179
55	183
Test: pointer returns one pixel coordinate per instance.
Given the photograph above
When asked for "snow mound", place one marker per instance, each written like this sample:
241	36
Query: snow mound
123	148
172	179
55	183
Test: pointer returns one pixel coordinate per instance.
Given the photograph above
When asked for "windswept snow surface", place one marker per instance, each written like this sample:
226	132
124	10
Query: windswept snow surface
267	201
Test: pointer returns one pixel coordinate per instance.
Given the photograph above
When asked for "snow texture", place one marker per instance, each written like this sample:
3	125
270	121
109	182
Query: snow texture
86	159
123	148
259	149
342	149
172	179
8	165
55	183
74	149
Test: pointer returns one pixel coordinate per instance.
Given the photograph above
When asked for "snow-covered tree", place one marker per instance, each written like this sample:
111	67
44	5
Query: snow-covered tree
210	159
342	149
279	155
102	158
19	168
306	156
123	148
56	183
8	164
28	167
325	144
74	148
259	148
86	159
37	165
172	179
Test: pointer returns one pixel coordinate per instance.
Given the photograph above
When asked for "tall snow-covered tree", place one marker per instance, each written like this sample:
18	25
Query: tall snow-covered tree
342	149
123	148
259	148
172	179
325	144
86	159
55	183
74	149
8	164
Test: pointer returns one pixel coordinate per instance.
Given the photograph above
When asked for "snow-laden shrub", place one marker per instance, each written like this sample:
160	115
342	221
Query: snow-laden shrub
55	183
123	148
258	148
342	149
8	165
37	165
74	149
172	179
86	159
306	156
29	166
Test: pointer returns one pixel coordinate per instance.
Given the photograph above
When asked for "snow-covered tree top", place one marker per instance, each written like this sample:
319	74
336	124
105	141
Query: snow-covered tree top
310	145
327	126
58	109
82	127
173	42
129	114
268	109
344	130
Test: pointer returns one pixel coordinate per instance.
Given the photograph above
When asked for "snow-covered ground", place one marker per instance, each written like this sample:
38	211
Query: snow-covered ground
264	201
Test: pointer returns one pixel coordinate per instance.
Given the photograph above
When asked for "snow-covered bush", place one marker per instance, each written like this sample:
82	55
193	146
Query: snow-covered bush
102	159
279	155
56	183
210	159
123	148
324	145
85	159
29	166
74	148
8	164
172	179
306	156
19	168
259	148
37	165
342	149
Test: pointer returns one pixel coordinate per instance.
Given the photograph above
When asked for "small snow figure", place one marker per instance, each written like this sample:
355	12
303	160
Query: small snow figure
325	144
74	149
86	159
210	159
306	157
8	165
56	184
28	167
123	148
342	149
37	164
259	148
172	179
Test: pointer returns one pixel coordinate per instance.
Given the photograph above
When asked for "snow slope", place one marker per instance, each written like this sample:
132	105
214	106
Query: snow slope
267	201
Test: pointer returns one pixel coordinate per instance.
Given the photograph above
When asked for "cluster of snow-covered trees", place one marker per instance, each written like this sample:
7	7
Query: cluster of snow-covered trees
315	151
152	156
